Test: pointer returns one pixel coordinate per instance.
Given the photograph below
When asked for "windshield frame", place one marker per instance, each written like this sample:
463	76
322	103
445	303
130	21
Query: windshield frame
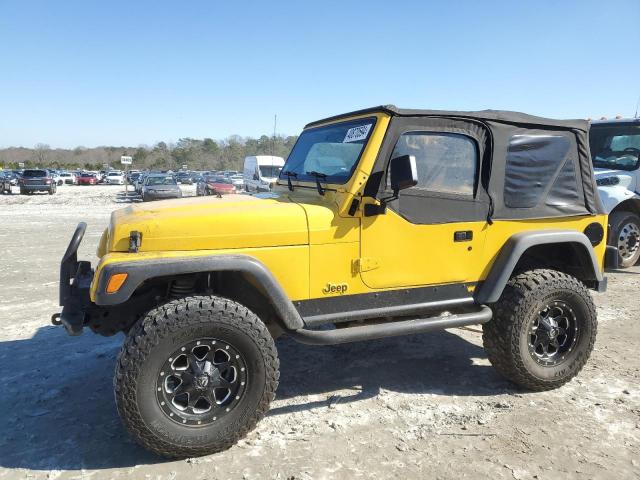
331	179
616	129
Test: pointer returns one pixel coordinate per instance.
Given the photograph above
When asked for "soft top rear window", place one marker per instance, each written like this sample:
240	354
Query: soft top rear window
533	163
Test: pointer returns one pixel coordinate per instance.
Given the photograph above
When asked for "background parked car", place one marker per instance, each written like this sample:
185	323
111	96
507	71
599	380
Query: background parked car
87	179
185	178
115	178
238	181
36	180
55	175
261	172
132	177
215	185
615	150
12	176
68	178
5	183
139	183
160	187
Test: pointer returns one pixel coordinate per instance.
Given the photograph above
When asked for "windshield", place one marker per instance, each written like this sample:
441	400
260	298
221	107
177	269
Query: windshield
34	173
270	171
161	181
615	146
333	151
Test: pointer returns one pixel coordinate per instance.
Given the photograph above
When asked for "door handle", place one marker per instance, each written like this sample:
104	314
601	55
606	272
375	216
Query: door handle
463	236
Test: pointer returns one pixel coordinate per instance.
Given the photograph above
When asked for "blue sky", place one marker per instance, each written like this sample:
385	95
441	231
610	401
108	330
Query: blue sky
136	72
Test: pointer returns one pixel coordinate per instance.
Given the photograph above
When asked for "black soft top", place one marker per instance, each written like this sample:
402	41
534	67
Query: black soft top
503	116
530	167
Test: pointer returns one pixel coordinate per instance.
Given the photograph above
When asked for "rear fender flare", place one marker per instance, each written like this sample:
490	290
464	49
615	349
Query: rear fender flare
140	271
504	265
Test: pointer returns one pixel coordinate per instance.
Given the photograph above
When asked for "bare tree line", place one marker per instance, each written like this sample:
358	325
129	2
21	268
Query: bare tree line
197	154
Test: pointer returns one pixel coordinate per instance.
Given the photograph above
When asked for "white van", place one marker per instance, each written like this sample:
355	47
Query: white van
261	172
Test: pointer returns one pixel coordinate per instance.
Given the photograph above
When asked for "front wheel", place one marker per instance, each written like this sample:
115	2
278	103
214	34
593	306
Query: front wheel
195	376
543	329
625	236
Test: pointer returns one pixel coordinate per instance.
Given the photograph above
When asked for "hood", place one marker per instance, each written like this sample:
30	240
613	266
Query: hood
210	223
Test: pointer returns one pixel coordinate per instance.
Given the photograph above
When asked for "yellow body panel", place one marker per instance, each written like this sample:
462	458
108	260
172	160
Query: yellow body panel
210	223
413	255
500	231
313	247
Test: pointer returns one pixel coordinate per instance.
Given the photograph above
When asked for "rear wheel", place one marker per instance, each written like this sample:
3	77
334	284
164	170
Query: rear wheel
625	236
543	329
195	376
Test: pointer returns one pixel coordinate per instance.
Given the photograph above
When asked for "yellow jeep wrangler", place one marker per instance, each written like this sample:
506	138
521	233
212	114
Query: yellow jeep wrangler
383	222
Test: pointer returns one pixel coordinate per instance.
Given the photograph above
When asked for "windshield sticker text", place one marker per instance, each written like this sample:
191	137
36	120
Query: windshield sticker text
357	133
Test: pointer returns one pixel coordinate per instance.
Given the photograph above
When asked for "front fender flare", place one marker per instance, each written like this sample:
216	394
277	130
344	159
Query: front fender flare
504	265
142	270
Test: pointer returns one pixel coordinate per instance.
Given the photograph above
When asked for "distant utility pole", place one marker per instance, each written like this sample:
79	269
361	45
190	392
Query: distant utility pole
273	140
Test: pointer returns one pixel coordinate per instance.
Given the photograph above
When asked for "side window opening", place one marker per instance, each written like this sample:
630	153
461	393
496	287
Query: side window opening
446	162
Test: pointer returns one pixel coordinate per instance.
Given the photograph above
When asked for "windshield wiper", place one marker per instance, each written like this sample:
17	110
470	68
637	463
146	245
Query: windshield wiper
318	176
289	174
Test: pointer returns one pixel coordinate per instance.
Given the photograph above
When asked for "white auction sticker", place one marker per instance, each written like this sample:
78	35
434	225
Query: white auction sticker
357	133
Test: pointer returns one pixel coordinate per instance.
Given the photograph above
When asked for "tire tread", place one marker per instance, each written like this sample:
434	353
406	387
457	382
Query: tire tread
172	317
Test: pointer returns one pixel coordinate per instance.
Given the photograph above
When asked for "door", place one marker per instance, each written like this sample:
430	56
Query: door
434	232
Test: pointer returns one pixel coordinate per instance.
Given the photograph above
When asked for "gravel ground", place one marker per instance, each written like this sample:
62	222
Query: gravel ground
428	405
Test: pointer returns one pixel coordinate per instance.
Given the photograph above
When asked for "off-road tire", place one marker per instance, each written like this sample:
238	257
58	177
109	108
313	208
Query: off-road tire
619	223
506	336
152	340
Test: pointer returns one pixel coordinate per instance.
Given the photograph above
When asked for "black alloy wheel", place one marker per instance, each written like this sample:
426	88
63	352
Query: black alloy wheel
201	382
553	334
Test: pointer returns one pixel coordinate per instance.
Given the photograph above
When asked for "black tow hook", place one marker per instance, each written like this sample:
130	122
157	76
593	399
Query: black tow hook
55	319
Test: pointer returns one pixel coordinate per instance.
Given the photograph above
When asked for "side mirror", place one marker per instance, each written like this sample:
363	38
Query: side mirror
404	173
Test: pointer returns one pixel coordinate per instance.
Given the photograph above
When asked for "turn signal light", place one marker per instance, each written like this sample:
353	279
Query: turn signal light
116	281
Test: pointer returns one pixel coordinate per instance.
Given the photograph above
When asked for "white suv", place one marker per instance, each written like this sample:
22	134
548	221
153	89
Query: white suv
615	150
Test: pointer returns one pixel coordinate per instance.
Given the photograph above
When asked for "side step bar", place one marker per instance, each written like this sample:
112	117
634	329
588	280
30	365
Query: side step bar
391	329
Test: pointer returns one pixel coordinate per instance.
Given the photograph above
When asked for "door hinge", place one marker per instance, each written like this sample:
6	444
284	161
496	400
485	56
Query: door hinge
365	264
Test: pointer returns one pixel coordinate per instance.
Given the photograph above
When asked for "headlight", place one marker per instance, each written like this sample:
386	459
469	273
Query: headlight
607	181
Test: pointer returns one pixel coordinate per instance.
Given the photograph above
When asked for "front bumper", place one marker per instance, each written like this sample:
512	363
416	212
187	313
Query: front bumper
75	282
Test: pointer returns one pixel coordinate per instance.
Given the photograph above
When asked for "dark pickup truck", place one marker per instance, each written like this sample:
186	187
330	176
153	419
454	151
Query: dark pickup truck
36	181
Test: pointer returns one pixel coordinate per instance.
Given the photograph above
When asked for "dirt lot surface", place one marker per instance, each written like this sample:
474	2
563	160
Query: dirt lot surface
427	406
